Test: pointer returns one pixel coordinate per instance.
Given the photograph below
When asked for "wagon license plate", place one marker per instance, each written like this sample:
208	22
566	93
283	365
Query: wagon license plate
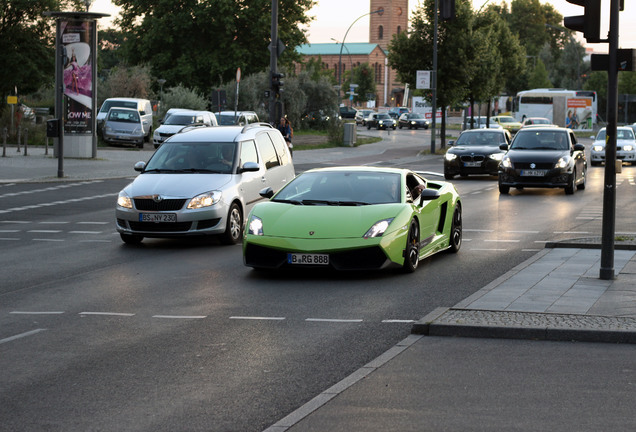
308	259
472	164
157	217
533	173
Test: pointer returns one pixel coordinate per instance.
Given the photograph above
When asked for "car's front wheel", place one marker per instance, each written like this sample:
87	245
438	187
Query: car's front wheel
504	189
455	241
131	239
234	227
571	187
581	186
412	250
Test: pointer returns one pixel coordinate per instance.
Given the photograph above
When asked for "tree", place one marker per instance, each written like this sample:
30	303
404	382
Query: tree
364	76
123	81
203	42
598	83
539	77
27	44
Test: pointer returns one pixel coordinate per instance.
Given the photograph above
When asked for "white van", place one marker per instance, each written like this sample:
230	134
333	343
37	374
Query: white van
142	105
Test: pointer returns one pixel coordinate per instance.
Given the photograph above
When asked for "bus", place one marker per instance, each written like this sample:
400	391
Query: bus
576	109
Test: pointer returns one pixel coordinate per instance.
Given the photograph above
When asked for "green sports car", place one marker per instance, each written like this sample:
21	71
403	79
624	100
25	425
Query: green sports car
353	218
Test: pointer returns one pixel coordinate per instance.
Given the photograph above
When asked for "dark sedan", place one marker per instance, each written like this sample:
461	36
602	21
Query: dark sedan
546	157
380	121
413	121
476	151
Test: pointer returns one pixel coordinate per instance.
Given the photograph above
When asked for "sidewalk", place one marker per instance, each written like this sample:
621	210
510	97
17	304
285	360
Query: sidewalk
431	381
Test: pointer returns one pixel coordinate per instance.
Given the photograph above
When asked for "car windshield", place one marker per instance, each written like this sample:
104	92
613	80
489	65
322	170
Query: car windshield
123	116
417	116
540	140
507	120
481	138
539	121
624	134
383	116
121	104
181	119
342	188
227	119
206	157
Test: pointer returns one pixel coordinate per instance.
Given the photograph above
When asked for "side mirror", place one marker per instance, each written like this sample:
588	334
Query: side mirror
503	147
266	193
451	143
428	195
140	166
250	167
579	147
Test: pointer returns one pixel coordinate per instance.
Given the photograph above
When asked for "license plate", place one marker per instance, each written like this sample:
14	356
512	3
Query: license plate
533	173
308	259
472	164
157	217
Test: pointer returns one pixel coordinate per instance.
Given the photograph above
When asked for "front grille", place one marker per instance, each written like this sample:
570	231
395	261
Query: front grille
472	158
148	204
259	256
160	226
358	259
526	165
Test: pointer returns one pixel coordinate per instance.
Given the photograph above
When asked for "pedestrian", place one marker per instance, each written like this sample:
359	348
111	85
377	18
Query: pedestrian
286	131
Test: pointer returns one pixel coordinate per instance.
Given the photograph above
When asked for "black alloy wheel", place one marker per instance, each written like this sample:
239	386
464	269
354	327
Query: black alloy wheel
455	241
571	187
412	250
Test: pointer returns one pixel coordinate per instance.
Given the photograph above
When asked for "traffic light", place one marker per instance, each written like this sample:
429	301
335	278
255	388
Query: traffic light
589	23
447	9
277	82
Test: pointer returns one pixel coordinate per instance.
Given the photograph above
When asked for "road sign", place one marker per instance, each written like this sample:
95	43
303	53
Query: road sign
12	100
423	80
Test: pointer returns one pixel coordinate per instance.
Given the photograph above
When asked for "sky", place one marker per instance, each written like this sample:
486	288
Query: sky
333	18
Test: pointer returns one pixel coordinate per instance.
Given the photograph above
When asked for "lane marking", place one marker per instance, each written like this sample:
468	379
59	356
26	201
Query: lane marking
257	318
53	222
92	223
333	320
9	231
390	321
48	240
502	241
108	314
85	232
44	231
523	232
9	238
73	200
21	335
36	313
180	316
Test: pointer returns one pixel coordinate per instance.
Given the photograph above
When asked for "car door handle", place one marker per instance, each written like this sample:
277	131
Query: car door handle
263	180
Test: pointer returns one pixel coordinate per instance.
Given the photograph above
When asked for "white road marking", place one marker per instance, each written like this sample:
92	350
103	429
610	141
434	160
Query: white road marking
523	232
398	321
54	222
92	223
85	232
9	231
21	335
37	313
108	314
48	240
8	238
257	318
180	316
45	231
14	222
333	320
73	200
501	241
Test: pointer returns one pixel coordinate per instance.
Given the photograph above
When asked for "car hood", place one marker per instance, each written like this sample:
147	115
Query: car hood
460	149
537	156
619	143
176	185
170	129
322	222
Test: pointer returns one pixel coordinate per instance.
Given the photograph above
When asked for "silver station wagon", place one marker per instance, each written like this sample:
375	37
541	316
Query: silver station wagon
203	182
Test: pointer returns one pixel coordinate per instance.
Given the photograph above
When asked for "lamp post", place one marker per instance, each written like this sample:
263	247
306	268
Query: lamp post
161	82
342	44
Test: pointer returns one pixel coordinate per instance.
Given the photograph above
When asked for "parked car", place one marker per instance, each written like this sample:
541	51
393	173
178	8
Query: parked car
544	157
141	105
536	121
625	146
347	112
381	121
241	118
203	182
176	121
476	151
413	121
508	122
362	115
354	218
123	126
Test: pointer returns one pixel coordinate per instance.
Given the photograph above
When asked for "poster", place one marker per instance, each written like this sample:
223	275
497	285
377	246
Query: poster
578	115
77	76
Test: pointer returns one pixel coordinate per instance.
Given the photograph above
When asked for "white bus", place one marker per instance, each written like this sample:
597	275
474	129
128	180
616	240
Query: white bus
576	109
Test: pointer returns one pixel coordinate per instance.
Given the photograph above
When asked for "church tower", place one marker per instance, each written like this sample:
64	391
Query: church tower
393	19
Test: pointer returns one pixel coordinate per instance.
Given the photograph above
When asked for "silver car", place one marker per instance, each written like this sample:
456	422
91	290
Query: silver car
203	182
625	146
123	126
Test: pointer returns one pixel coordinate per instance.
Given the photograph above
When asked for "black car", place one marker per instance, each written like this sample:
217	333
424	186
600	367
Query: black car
347	112
413	121
380	121
476	151
545	157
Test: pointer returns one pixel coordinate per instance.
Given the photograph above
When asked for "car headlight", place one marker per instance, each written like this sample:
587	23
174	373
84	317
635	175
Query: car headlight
124	200
378	228
562	163
628	148
496	156
155	135
412	122
381	121
598	148
204	200
450	156
506	162
255	227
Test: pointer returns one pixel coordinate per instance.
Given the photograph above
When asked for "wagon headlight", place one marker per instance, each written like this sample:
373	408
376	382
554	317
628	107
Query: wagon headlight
255	227
204	200
378	228
450	156
496	156
506	162
124	200
597	148
628	147
562	163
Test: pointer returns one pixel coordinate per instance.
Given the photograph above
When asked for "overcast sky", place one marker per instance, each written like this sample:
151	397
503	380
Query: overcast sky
333	18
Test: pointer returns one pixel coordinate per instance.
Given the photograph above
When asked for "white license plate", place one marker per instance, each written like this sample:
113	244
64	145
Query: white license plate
533	173
472	164
307	259
157	217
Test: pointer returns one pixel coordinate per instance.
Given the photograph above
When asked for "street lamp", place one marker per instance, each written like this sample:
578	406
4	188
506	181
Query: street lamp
161	82
342	44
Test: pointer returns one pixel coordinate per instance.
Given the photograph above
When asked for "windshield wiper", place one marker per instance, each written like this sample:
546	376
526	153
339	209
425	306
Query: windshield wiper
334	203
295	202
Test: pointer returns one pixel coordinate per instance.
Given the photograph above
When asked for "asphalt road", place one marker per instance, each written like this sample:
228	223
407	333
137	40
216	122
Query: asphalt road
179	335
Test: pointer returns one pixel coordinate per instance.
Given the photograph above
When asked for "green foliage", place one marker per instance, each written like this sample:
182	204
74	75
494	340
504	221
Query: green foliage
182	97
539	77
202	43
364	76
125	81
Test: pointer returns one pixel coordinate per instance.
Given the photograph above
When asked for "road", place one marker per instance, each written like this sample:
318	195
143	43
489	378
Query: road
179	335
